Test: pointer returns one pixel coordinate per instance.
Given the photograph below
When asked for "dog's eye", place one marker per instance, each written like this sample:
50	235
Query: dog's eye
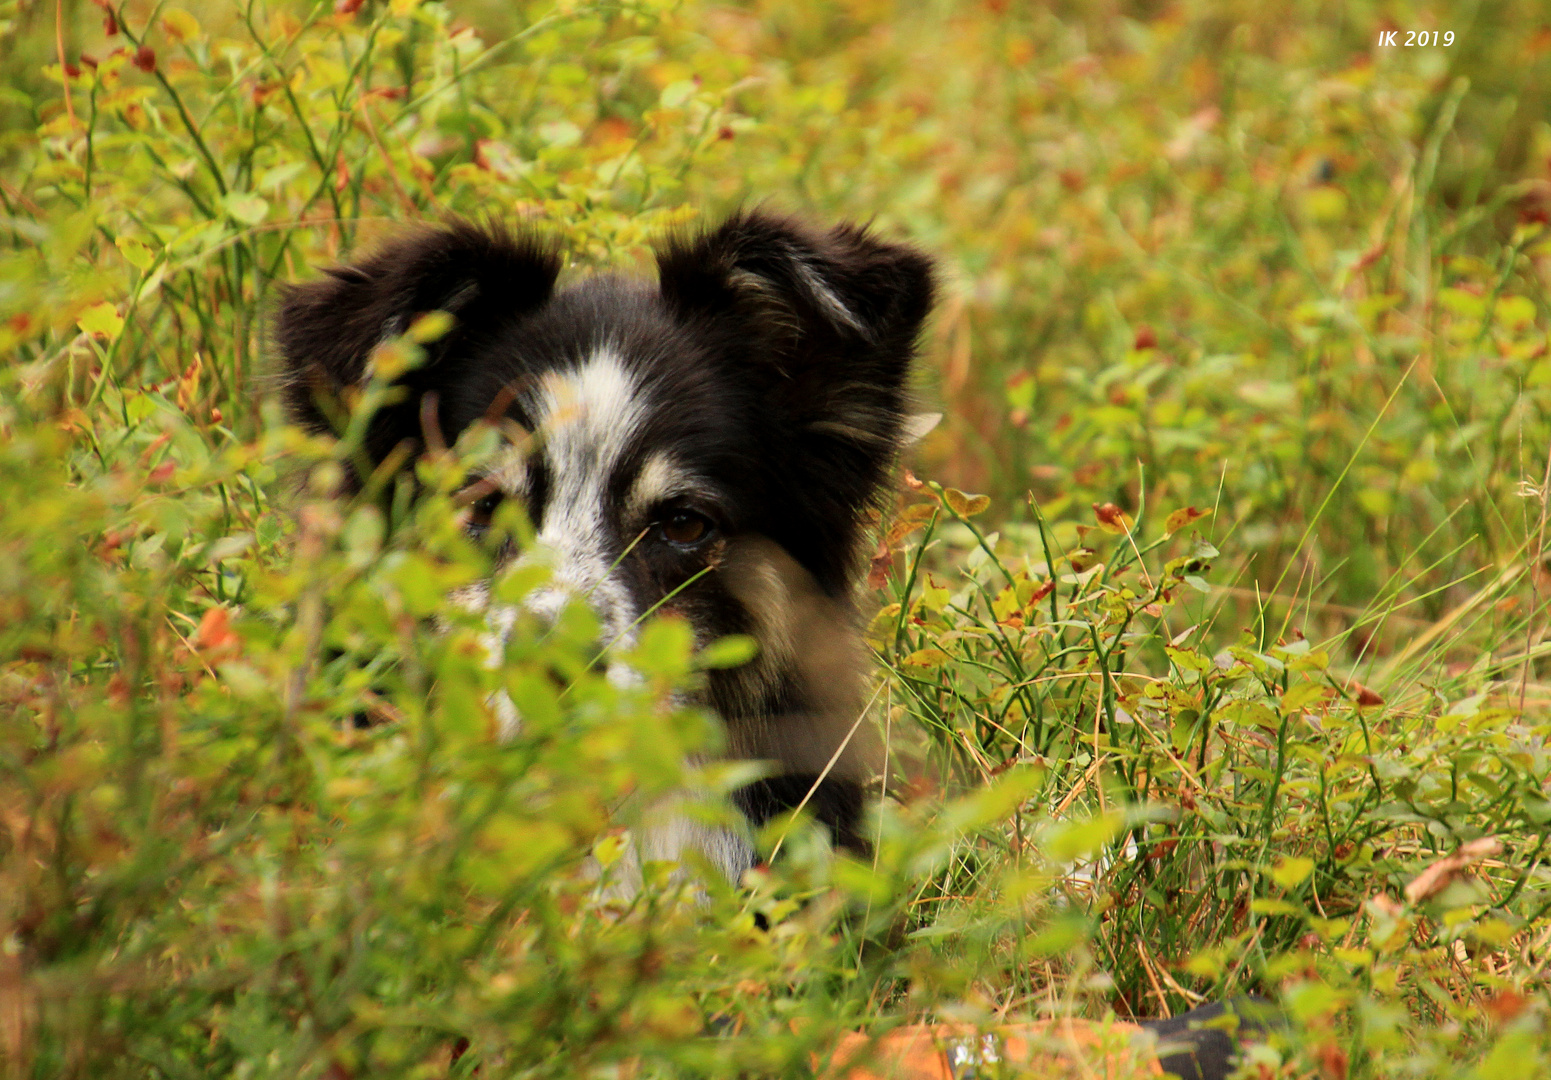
685	527
482	510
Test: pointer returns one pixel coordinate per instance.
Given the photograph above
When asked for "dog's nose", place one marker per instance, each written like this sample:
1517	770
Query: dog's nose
578	573
616	630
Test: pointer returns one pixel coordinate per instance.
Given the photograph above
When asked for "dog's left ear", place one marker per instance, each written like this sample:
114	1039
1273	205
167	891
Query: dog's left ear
833	317
485	276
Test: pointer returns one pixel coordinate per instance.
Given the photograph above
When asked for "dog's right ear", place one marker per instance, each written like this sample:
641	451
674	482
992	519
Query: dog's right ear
327	330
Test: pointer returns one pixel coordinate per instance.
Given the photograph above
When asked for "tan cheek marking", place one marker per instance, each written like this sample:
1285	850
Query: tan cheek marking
806	636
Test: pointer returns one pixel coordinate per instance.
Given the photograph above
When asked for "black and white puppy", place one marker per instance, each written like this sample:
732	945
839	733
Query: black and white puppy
738	416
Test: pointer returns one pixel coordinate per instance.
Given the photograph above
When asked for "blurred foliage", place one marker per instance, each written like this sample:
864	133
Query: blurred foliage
1244	685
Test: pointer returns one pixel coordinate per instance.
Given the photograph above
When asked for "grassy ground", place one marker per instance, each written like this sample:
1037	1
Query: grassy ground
1236	677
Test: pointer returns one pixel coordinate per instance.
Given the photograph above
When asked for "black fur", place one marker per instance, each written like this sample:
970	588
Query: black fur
1197	1045
486	278
838	804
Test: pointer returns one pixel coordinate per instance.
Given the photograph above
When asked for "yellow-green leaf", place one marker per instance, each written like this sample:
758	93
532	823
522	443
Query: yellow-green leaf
731	651
1264	905
138	255
1302	694
101	319
246	207
1292	870
965	505
180	25
431	326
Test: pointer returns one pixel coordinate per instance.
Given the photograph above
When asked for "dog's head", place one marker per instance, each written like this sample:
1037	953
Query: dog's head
734	420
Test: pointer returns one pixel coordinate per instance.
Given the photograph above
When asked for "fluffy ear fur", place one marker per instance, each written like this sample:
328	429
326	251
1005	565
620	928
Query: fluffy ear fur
326	330
821	328
840	310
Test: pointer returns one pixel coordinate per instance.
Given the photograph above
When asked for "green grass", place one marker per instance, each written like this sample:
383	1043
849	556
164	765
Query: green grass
1244	337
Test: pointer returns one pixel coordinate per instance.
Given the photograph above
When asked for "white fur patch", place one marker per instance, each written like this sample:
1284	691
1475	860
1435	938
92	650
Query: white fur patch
587	417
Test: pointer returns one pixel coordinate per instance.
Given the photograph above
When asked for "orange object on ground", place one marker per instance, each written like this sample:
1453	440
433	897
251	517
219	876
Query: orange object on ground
1048	1049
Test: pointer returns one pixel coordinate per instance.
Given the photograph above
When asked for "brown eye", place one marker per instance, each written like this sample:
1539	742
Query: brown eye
685	527
482	510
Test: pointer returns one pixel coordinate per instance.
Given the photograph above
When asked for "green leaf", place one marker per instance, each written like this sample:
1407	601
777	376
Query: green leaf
138	255
663	647
102	320
1292	870
430	326
245	207
1074	840
677	94
731	651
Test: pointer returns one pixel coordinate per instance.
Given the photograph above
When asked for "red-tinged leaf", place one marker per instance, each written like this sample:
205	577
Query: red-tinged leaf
215	631
911	482
1007	606
1366	697
163	472
1046	587
1505	1005
145	59
918	787
347	7
1181	518
1146	338
881	566
156	444
1332	1061
180	25
1443	873
1112	519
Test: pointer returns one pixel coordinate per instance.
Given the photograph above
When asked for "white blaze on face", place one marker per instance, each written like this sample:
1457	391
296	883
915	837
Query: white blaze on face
587	416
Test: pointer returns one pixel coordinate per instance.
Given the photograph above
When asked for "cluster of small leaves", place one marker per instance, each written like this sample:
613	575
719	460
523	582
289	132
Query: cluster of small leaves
1267	822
